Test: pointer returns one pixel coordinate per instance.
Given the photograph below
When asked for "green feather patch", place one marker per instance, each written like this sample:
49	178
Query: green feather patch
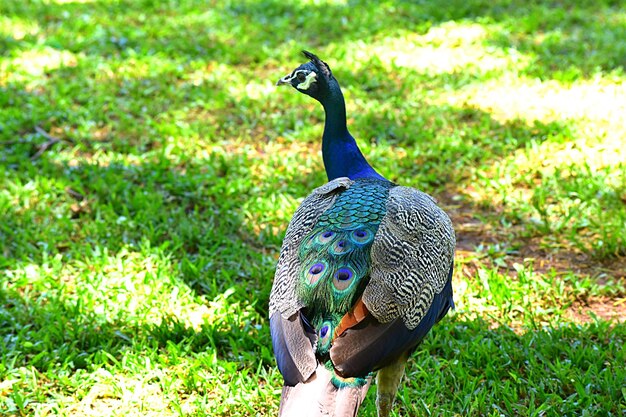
335	256
341	382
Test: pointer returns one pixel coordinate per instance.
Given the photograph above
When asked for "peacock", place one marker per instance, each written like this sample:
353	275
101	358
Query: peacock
364	273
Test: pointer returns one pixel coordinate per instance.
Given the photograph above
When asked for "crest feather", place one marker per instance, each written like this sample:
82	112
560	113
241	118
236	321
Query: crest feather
321	65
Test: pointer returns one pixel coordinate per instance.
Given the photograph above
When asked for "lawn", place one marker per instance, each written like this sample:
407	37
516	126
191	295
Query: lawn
149	168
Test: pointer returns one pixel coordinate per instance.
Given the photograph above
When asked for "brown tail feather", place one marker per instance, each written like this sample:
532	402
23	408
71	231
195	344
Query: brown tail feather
319	397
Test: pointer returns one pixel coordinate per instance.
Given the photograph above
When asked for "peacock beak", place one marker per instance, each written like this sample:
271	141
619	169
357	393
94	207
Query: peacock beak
285	80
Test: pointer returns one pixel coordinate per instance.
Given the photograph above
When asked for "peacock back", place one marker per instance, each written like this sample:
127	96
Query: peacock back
335	256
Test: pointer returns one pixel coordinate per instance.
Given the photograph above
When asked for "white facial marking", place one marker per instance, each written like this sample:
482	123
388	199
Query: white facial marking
286	79
310	79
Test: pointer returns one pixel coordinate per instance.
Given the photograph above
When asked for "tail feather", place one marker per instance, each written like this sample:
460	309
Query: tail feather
318	397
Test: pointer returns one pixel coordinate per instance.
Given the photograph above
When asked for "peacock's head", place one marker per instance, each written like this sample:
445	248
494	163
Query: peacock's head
312	78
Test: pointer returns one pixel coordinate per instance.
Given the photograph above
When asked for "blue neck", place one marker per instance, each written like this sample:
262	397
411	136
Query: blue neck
342	157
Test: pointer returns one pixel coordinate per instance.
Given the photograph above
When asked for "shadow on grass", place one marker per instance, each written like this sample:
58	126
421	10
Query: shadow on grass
566	42
47	332
119	204
518	372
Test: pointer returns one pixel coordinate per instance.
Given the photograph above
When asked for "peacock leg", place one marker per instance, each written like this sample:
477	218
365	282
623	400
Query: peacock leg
387	382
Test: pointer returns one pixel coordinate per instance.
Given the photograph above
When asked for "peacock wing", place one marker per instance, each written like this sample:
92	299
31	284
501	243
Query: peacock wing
412	255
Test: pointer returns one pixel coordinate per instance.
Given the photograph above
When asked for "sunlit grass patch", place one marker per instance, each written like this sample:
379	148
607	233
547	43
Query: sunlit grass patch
18	28
514	295
79	321
34	63
600	101
447	48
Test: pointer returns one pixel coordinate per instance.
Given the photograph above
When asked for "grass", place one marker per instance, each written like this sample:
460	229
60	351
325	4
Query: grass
148	170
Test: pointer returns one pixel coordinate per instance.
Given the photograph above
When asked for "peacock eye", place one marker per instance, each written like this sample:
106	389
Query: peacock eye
343	278
300	76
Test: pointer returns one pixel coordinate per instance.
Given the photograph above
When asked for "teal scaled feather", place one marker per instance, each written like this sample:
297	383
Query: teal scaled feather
335	256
